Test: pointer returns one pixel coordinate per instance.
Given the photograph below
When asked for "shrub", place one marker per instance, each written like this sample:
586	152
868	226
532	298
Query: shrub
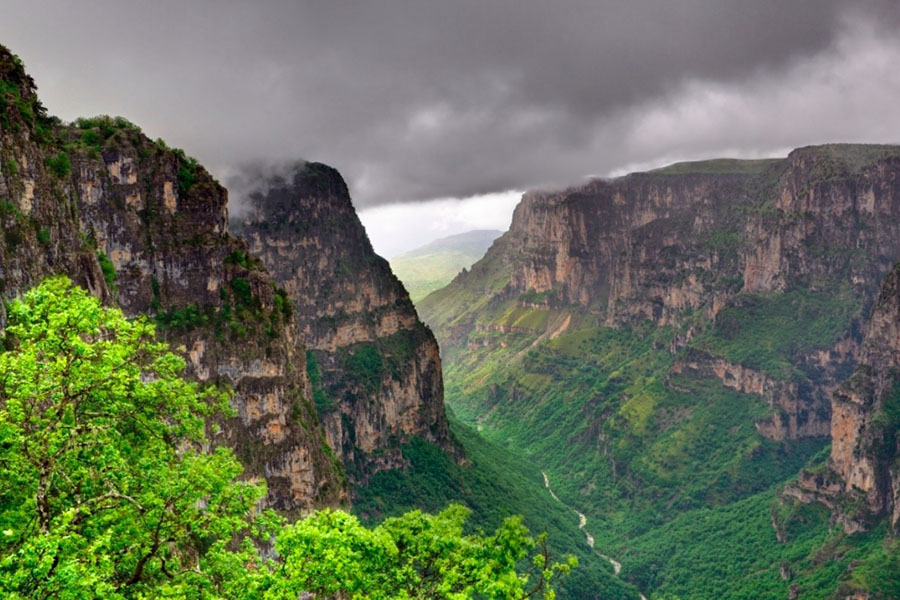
108	268
59	165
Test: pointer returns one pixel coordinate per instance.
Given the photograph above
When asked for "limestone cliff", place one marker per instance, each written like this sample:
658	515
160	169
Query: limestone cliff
145	227
700	248
376	367
654	245
861	481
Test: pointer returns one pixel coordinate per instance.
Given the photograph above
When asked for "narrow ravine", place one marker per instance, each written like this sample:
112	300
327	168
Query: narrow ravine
582	522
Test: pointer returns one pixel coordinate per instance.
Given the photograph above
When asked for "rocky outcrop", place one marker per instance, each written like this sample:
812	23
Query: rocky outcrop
145	227
861	481
799	409
376	366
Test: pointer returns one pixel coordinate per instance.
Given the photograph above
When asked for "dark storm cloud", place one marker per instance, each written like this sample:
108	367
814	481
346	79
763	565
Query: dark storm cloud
417	100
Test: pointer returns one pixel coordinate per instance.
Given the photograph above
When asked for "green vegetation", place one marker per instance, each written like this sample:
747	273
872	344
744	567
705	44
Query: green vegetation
101	486
677	483
840	160
633	424
30	111
43	235
237	257
184	318
105	125
495	484
719	166
109	270
767	331
11	167
474	290
322	400
523	317
732	553
413	556
283	303
240	314
243	295
106	489
887	422
662	451
59	165
658	459
366	364
92	134
188	170
7	209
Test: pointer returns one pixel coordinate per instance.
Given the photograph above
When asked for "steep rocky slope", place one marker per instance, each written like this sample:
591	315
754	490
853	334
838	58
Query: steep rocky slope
376	367
860	482
145	227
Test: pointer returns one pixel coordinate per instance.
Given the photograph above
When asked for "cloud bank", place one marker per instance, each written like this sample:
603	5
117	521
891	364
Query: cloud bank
420	100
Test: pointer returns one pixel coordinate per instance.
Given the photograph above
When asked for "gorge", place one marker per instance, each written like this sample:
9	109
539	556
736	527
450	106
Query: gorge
703	358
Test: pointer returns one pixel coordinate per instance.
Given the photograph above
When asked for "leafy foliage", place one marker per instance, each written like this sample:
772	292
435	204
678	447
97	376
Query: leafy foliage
105	492
187	172
494	484
108	488
412	556
59	165
108	268
238	257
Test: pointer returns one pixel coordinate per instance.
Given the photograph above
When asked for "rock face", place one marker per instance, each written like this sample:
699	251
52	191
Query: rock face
40	222
654	245
861	482
376	367
677	246
145	227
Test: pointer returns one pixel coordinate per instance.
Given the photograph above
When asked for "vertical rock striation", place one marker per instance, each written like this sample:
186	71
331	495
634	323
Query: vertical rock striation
376	367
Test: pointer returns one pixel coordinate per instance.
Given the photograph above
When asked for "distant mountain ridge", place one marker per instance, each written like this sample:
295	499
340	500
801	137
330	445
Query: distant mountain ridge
432	266
474	241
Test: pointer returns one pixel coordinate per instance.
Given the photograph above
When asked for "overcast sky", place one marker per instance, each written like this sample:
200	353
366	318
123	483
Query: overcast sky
422	100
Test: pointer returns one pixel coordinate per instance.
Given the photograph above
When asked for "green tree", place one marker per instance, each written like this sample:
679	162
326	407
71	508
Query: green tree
417	555
104	488
109	488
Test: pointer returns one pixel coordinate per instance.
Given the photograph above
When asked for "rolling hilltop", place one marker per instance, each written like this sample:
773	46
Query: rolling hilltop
435	264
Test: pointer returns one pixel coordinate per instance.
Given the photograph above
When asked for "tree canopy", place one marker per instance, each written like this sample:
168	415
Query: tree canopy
110	486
